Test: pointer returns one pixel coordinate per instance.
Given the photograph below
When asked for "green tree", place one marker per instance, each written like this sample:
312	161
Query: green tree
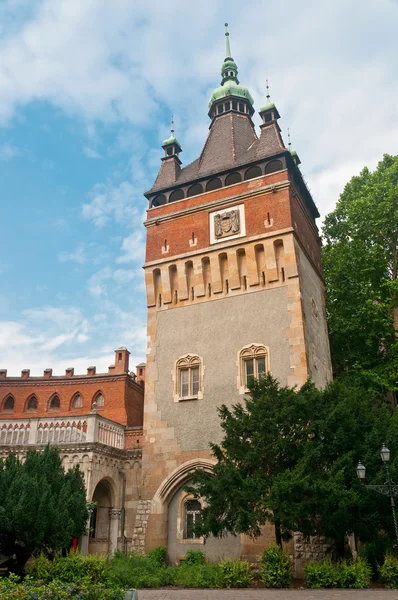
360	260
289	457
42	507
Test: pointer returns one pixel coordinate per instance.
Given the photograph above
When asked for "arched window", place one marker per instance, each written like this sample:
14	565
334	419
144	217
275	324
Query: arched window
192	512
176	195
195	189
77	401
9	404
274	165
188	378
158	200
32	403
55	403
99	400
253	364
213	184
233	178
252	172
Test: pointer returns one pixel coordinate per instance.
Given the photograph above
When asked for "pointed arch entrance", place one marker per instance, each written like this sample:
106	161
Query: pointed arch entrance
104	520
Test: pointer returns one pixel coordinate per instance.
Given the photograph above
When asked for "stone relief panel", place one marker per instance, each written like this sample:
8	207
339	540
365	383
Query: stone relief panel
227	224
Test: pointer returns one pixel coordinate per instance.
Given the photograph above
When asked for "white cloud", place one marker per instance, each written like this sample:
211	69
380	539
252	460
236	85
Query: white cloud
90	153
133	248
78	255
8	151
110	202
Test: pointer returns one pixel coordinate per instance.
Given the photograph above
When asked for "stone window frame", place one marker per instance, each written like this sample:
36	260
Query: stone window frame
250	351
187	361
181	516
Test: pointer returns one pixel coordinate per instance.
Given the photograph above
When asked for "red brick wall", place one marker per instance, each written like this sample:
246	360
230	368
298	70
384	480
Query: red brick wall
306	230
178	231
123	398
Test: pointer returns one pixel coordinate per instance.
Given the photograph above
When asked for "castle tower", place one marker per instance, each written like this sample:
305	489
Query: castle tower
234	289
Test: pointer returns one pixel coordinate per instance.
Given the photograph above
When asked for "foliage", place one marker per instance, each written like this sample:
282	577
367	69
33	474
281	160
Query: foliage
42	507
235	573
137	571
360	260
389	571
71	568
12	589
289	457
194	557
196	575
345	574
275	568
158	555
375	550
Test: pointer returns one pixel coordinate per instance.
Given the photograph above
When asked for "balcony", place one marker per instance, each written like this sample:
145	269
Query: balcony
91	428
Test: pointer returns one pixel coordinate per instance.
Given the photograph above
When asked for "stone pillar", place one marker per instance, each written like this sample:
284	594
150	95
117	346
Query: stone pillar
114	515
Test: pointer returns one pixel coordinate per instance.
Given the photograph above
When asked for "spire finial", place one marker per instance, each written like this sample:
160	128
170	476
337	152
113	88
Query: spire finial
267	88
288	137
172	126
227	45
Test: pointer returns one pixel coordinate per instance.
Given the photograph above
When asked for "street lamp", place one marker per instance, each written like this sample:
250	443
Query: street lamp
388	488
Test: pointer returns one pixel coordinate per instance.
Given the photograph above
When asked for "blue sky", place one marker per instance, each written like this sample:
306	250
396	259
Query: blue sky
86	94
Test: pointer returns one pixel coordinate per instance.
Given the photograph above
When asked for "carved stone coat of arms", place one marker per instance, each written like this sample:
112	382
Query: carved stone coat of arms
226	223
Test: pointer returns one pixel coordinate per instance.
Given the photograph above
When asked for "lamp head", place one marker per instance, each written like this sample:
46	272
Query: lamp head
385	454
361	471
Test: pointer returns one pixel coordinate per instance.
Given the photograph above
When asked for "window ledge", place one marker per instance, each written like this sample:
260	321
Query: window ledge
186	398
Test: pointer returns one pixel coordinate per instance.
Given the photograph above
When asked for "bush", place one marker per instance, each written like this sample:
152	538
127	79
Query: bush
235	573
10	589
158	555
375	551
389	571
137	571
194	557
275	568
71	568
321	574
346	574
196	576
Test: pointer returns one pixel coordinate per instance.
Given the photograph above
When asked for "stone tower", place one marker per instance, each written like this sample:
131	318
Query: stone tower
234	289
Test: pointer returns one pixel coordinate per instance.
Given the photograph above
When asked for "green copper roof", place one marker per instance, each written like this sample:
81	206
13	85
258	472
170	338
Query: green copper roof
267	106
170	140
231	88
230	83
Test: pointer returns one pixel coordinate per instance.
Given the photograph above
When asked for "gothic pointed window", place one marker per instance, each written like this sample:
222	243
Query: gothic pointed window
253	364
55	403
77	401
31	404
99	400
188	378
8	405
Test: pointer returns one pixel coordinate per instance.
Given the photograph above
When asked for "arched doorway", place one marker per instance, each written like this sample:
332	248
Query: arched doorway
104	520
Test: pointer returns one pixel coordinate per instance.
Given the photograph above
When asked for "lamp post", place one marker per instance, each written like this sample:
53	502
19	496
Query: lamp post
388	488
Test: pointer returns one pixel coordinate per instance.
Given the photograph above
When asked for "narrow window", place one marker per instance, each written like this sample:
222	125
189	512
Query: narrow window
193	509
54	403
188	377
77	401
32	403
9	404
253	364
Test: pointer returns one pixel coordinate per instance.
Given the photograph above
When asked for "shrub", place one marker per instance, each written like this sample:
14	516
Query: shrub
158	555
354	574
275	568
375	551
235	573
71	568
138	571
192	576
30	590
321	574
194	557
389	571
346	574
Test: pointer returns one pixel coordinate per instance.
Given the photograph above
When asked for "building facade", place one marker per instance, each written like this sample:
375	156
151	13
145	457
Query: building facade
234	290
95	420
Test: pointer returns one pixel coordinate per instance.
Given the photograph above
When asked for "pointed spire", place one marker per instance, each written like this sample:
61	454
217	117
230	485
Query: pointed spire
227	44
171	145
268	104
172	126
290	148
289	140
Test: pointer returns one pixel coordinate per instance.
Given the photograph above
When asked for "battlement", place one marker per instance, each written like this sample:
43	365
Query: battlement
120	366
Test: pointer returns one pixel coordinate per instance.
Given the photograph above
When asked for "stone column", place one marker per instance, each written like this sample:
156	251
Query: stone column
114	515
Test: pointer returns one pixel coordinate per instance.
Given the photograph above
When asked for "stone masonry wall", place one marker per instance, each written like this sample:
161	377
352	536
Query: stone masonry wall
141	522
